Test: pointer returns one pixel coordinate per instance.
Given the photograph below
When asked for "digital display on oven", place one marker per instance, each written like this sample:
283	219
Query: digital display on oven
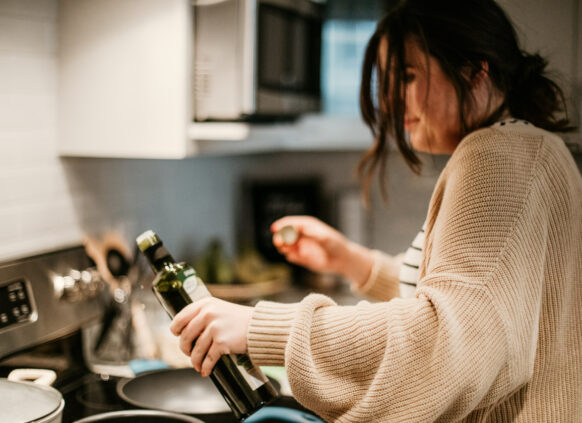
15	304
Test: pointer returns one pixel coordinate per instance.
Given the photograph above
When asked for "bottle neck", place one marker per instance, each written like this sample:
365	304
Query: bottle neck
158	257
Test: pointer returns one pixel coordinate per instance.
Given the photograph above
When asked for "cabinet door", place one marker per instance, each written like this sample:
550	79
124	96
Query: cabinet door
125	78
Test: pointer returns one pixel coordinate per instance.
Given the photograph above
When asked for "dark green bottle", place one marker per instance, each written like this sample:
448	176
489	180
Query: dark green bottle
243	385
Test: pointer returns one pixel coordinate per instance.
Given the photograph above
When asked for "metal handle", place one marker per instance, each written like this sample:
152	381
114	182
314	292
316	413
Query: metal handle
45	377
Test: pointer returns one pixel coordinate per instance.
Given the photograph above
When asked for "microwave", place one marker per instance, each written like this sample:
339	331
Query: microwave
256	59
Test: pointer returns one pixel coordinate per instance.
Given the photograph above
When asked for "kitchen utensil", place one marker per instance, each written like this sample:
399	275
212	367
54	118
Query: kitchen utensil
139	416
114	261
22	401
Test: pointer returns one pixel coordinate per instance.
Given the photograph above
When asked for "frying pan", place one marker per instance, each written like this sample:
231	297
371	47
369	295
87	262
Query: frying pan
139	416
185	391
177	390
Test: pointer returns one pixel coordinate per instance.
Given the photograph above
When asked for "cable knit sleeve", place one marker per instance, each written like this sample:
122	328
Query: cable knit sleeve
382	284
468	337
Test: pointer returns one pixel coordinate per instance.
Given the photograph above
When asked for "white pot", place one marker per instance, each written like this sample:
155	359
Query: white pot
24	401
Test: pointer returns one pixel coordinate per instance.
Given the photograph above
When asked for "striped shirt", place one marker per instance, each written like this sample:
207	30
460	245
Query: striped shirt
410	268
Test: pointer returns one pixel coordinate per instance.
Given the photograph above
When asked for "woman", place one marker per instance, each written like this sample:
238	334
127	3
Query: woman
493	330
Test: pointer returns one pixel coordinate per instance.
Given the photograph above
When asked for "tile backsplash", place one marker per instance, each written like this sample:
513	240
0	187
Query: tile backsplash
36	210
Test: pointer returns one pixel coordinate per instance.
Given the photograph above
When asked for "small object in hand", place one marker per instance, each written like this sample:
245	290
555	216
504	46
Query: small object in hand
288	234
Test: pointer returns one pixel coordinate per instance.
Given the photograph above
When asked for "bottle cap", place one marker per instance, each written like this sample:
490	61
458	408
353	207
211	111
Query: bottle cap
289	234
147	240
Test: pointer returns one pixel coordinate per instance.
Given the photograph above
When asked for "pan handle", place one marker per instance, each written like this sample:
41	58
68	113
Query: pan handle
282	414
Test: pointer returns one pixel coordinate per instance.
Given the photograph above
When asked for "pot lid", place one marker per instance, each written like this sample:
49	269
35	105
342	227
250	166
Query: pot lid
26	401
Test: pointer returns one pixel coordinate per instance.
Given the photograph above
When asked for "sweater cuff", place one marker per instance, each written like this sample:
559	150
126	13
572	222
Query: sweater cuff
383	283
268	332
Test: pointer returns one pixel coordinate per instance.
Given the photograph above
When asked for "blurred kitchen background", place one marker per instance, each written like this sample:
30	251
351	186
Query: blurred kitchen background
82	155
113	120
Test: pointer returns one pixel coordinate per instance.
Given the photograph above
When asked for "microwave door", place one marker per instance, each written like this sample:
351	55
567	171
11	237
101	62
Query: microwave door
289	48
275	39
305	50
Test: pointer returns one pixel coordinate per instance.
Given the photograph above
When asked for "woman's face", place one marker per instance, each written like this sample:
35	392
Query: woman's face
431	107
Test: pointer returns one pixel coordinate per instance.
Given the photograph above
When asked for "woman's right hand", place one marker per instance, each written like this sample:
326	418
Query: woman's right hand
321	248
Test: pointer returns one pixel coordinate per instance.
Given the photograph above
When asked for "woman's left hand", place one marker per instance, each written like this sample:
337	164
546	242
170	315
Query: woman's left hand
210	328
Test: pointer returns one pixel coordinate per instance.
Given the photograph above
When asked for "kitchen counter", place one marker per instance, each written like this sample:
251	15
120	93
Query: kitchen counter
329	285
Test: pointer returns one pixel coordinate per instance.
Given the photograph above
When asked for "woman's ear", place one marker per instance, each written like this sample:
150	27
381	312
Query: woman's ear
480	76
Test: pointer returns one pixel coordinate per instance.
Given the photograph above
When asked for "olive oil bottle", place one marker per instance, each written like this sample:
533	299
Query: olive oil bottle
243	386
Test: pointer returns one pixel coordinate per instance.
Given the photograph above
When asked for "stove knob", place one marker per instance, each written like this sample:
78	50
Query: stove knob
78	285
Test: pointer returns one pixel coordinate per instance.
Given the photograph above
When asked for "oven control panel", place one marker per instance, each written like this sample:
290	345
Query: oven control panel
37	305
16	304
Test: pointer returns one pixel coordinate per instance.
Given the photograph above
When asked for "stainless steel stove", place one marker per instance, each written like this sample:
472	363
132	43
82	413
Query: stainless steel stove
49	304
45	301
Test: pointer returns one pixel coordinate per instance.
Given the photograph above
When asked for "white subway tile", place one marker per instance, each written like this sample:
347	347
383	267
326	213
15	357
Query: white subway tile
27	148
18	112
10	224
27	37
38	210
39	243
50	217
29	9
11	152
28	75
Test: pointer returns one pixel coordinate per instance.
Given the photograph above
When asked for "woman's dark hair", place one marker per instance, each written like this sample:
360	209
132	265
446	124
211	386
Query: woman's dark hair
461	35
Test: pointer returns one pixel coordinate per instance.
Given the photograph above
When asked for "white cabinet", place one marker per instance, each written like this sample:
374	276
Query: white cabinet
124	78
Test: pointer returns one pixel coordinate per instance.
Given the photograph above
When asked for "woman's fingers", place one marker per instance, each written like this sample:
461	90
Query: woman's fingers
201	346
210	328
189	336
188	324
288	229
212	356
295	221
181	320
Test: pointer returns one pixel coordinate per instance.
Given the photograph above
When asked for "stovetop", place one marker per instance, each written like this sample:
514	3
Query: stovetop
46	301
88	394
95	394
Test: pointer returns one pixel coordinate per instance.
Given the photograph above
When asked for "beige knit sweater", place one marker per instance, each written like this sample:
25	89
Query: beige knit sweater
494	332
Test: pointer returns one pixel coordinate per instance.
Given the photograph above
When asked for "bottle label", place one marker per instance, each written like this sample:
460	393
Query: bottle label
252	374
194	286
